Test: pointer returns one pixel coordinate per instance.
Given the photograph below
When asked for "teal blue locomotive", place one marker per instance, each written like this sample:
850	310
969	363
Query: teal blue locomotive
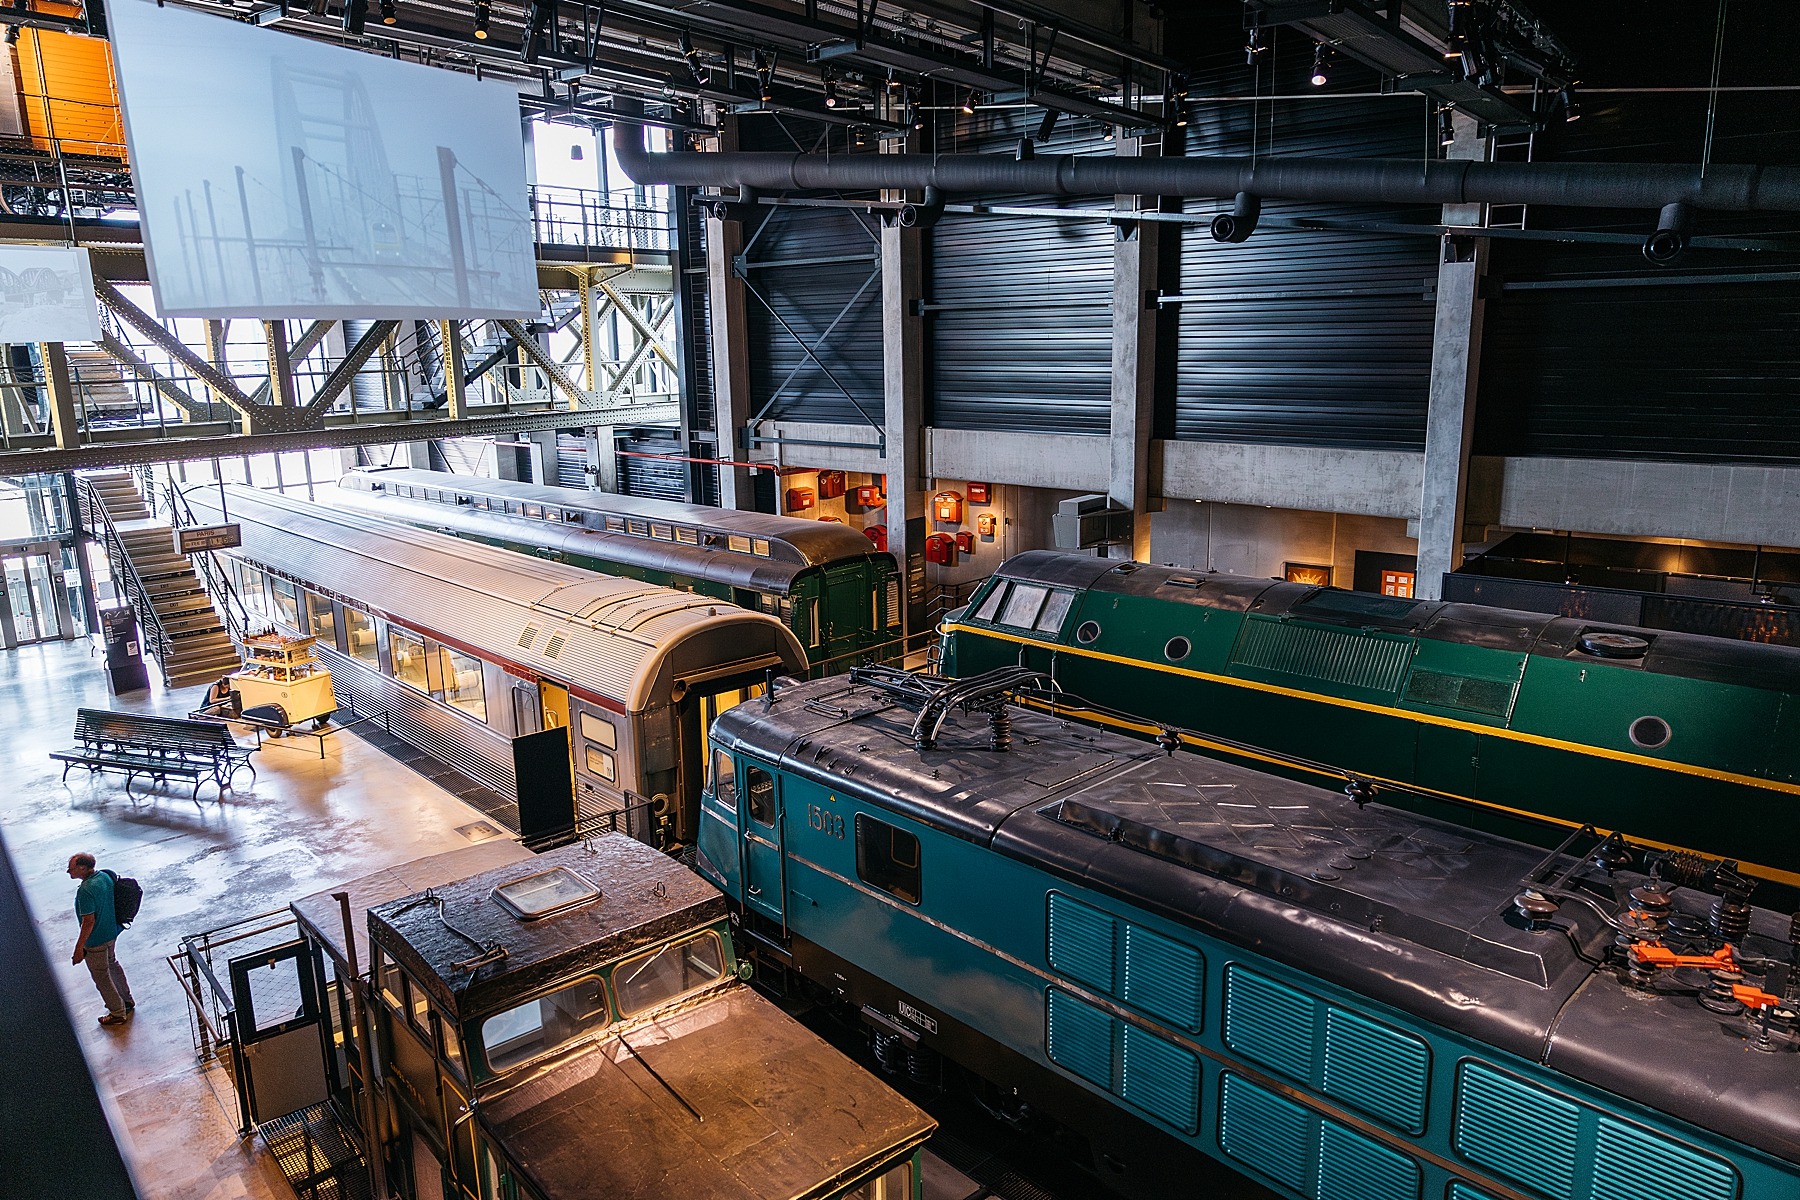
1179	957
1510	720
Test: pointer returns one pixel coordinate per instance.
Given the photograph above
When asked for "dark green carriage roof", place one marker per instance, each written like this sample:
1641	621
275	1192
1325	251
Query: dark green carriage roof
646	897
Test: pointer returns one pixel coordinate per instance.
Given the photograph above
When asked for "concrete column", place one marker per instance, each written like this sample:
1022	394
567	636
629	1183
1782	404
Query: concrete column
450	336
59	395
725	306
903	396
1455	368
1136	280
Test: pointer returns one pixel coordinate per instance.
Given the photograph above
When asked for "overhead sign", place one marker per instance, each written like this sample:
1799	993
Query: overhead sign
47	295
288	178
198	538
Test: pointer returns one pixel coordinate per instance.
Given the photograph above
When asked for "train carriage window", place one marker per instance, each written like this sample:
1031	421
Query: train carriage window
761	793
724	777
737	544
1055	609
638	528
532	510
888	858
319	620
359	636
600	763
1023	605
253	590
991	605
453	1053
658	976
287	604
760	546
463	687
406	651
687	537
662	532
535	1027
599	731
615	524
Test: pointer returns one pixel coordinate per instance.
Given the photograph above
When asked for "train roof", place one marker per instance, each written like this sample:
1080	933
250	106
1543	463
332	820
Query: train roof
792	540
724	1099
1406	910
625	641
645	897
322	918
1695	656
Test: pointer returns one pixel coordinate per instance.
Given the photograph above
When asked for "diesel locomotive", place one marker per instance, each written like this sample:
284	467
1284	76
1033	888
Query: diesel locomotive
1688	741
826	582
1168	953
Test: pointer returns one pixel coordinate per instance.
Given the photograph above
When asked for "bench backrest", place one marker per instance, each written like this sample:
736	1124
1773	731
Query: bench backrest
99	725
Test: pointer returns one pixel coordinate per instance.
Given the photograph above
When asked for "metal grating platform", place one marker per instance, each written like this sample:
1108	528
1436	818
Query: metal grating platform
318	1157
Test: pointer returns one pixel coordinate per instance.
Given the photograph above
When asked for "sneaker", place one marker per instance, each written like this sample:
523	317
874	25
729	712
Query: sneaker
109	1020
131	1006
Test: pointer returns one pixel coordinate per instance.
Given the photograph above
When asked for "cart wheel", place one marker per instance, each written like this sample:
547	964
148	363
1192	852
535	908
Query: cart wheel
322	722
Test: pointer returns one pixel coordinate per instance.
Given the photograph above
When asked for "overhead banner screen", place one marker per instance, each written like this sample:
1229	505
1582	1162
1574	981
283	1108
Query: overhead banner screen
278	177
47	295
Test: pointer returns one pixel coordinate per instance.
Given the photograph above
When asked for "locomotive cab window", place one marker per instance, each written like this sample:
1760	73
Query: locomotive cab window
538	1026
658	976
724	777
760	790
1023	605
888	858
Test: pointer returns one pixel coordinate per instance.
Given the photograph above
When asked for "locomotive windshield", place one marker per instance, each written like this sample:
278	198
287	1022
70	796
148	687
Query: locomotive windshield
660	975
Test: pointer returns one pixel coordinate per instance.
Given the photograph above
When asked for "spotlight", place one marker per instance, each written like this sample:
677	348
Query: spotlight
1446	128
1320	77
481	20
575	154
1673	227
831	92
1254	47
967	107
914	101
859	137
1571	107
701	73
763	62
388	17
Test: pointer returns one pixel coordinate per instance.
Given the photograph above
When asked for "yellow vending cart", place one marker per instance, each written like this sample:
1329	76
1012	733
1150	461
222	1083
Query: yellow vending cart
281	671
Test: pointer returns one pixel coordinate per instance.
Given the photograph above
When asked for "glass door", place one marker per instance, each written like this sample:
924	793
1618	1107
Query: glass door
31	586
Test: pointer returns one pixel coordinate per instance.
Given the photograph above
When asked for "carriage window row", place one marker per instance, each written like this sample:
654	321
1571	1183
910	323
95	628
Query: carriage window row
442	673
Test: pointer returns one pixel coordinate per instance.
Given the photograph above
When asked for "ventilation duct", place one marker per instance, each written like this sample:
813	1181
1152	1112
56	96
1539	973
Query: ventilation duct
1355	181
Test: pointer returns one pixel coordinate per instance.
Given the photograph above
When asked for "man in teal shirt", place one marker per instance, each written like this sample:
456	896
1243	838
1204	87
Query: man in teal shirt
99	929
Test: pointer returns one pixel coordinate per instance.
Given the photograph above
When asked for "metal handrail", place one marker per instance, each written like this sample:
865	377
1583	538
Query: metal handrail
216	580
136	594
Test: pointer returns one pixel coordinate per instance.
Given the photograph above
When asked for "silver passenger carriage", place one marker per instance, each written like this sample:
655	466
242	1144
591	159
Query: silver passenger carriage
544	682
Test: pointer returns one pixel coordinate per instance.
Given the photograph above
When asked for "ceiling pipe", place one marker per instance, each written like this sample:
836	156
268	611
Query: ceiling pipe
1360	180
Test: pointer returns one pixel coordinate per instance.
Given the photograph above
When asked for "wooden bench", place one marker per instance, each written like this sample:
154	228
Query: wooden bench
157	748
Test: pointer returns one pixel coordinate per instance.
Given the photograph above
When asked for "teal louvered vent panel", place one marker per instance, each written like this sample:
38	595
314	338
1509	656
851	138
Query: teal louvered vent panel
1635	1164
1266	1132
1080	1039
1161	1078
1164	978
1269	1023
1462	1191
1082	942
1380	1070
1518	1130
1353	1167
1355	659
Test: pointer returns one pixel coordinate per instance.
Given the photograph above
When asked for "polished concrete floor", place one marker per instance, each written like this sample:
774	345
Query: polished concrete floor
303	825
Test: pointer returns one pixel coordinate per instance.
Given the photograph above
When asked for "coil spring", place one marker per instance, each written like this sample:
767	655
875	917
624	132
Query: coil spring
923	1066
890	1055
1730	920
1000	729
1684	868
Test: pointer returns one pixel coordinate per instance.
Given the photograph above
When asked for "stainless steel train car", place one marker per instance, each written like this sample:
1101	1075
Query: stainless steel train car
827	582
540	680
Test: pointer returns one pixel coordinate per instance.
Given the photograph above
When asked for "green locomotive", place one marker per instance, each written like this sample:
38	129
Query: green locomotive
827	582
1540	722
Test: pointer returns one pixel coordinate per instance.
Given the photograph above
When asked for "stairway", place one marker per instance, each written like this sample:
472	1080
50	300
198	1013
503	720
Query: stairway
180	626
105	393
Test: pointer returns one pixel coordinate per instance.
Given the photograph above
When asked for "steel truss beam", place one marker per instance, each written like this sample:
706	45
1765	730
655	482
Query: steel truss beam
354	359
174	347
544	362
165	387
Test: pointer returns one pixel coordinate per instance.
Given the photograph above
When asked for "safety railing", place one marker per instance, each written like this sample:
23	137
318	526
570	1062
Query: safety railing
213	574
564	216
126	579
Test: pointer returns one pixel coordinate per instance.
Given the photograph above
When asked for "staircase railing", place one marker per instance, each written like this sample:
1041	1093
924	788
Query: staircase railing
212	573
125	577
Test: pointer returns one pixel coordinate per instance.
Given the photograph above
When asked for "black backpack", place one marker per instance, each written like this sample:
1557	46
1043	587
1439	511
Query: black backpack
128	897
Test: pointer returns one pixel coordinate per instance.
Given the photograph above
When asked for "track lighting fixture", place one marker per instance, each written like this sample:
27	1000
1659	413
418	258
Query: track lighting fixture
763	63
698	69
831	90
388	16
1571	107
1254	46
1446	127
482	8
967	107
1320	77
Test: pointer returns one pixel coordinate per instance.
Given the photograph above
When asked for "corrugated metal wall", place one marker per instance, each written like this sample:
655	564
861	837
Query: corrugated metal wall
67	93
1589	351
1026	340
822	278
1316	337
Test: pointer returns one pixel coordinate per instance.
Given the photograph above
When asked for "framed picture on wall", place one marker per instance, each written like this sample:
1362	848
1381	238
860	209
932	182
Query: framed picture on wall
1309	573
